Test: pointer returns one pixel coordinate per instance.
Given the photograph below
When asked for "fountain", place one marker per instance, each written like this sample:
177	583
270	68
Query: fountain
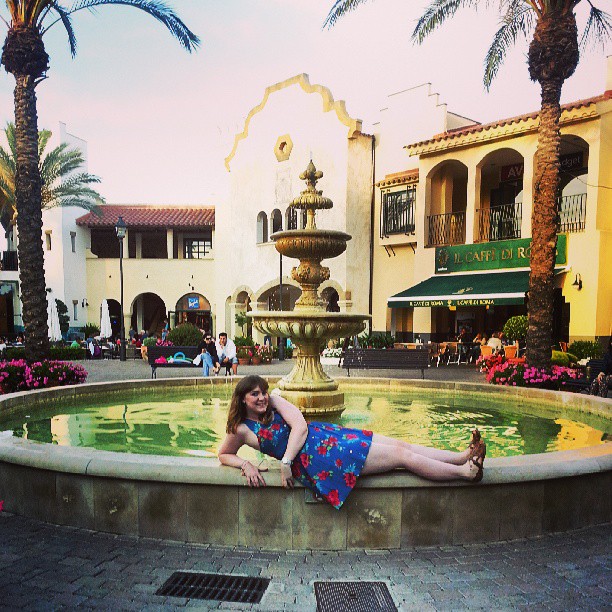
309	326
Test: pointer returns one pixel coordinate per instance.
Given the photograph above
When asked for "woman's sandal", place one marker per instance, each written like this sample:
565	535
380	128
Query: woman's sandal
477	458
475	440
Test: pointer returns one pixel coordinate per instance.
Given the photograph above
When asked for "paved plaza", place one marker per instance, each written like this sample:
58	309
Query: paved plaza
46	567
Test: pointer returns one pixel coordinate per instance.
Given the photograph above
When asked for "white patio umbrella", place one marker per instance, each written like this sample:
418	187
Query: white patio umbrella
55	333
106	330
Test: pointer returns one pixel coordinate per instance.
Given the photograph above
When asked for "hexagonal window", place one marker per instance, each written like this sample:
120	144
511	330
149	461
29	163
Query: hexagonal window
283	147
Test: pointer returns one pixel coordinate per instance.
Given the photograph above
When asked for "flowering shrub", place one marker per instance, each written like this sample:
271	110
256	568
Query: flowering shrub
486	363
18	375
161	342
523	375
332	352
264	352
244	352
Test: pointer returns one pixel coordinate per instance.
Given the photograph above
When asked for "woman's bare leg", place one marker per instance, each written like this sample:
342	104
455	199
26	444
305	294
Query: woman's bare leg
386	457
452	457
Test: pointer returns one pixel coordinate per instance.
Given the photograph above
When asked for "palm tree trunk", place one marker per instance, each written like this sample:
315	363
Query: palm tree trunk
544	228
29	220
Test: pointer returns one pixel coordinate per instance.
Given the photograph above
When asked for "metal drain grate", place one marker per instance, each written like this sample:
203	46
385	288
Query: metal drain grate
220	587
353	596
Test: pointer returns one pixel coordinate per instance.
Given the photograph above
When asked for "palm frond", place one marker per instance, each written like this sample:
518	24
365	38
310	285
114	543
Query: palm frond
598	28
437	13
64	17
340	8
157	9
43	140
519	19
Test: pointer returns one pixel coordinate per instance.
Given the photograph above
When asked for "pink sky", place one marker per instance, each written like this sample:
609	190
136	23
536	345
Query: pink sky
159	121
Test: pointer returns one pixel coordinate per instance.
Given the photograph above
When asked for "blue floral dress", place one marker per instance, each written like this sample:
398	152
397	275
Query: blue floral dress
330	460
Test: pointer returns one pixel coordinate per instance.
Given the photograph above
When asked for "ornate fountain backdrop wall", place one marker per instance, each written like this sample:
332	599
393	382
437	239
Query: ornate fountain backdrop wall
309	326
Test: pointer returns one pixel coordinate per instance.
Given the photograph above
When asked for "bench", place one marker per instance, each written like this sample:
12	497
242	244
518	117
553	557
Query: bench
386	359
154	352
593	368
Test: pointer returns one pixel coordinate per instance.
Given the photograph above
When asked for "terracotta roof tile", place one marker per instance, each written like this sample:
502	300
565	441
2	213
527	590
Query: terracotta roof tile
144	215
457	132
399	178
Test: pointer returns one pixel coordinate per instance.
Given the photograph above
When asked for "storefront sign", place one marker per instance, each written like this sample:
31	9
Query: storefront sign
571	161
492	255
193	303
458	302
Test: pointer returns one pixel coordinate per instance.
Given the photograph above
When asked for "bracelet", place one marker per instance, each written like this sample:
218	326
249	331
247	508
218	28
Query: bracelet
243	466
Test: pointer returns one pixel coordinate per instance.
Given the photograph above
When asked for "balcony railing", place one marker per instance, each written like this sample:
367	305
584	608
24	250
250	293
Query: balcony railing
9	261
448	228
572	213
397	213
501	222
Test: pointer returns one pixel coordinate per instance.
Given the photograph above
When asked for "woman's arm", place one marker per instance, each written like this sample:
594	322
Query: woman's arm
227	456
299	432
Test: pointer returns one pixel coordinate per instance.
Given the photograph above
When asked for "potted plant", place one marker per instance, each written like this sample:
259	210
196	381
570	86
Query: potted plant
515	328
244	354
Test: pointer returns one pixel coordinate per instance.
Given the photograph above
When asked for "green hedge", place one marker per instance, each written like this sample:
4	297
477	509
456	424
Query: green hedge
59	353
584	349
185	334
563	359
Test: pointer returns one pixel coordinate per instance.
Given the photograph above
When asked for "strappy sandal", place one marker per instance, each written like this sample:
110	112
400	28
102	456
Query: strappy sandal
477	459
475	441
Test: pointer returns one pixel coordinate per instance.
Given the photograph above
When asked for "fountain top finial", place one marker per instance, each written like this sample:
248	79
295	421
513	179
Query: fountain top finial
311	198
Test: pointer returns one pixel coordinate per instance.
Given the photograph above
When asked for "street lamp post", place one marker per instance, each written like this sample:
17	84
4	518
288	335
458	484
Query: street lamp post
120	230
281	345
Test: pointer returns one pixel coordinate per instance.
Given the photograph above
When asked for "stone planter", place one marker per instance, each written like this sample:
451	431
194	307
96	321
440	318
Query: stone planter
244	360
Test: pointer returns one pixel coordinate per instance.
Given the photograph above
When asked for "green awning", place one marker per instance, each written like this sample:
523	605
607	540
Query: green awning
486	289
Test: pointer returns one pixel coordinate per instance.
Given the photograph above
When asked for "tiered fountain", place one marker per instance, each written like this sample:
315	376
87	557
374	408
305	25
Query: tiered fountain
309	326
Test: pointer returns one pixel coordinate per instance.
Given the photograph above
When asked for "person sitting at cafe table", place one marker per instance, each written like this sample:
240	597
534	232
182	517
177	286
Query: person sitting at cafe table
495	343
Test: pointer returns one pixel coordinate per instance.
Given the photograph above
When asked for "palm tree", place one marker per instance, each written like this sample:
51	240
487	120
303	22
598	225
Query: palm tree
550	25
63	184
24	56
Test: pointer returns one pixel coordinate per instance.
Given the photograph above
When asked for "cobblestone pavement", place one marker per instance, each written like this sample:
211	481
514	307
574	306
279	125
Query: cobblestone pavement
45	567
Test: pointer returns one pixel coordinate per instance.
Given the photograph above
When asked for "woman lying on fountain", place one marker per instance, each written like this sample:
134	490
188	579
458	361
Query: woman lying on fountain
328	458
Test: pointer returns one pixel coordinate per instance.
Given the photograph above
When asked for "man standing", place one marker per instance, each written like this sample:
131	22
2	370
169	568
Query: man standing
226	351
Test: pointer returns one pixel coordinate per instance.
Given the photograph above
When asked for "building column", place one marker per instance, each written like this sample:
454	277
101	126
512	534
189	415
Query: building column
472	204
139	246
126	248
346	305
170	243
421	323
527	205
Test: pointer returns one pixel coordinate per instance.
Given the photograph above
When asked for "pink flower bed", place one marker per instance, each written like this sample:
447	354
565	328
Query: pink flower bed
523	375
18	375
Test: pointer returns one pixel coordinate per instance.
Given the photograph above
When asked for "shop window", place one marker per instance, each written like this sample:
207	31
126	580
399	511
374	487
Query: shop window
73	241
397	212
197	246
48	240
75	310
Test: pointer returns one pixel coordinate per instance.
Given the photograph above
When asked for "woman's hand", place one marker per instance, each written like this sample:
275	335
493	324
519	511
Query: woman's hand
253	475
286	476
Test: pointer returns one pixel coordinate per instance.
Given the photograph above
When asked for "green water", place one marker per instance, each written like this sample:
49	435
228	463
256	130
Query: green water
192	425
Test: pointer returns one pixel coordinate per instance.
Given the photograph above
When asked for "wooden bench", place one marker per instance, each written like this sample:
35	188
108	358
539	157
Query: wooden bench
386	359
154	352
593	368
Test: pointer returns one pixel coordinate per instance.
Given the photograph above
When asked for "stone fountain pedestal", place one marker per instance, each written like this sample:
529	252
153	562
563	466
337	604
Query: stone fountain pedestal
309	326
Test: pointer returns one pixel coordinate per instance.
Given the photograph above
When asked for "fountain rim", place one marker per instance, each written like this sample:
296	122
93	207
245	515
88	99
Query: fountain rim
207	470
311	232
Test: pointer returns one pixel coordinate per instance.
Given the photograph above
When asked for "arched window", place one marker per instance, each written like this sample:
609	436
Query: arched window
277	220
262	227
291	218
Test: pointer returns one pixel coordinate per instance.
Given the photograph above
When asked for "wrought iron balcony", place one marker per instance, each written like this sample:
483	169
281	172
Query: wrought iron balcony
9	261
446	229
501	222
572	213
397	213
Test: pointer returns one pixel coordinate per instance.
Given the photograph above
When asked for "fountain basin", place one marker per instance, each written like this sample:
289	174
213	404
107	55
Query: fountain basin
197	500
315	244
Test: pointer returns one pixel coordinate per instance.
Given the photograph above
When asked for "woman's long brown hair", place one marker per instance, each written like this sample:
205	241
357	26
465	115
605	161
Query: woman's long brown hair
237	409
